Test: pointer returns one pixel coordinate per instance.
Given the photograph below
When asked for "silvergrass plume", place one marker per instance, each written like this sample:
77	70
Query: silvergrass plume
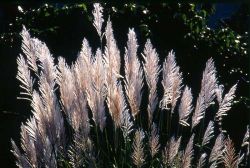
152	71
138	155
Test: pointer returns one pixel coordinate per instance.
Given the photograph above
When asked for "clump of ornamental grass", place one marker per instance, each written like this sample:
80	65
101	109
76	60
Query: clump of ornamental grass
89	114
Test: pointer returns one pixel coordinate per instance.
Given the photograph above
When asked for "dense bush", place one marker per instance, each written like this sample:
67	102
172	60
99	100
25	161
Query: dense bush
106	110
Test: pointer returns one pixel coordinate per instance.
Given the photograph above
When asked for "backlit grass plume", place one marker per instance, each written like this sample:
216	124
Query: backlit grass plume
86	114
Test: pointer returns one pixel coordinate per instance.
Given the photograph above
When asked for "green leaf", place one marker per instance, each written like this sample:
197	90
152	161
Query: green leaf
83	7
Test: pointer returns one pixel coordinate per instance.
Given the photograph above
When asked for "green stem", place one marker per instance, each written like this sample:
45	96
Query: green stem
178	129
125	152
97	137
101	42
107	143
170	122
160	119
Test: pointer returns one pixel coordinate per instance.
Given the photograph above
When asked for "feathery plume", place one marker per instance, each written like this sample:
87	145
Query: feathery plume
172	82
185	107
138	153
244	152
80	118
38	111
230	159
75	154
226	103
30	49
209	83
246	140
207	93
209	133
98	18
55	122
49	154
81	151
83	64
65	80
82	85
126	124
47	64
154	141
171	151
115	100
21	159
199	111
27	143
116	103
23	75
202	160
219	92
111	54
35	146
85	56
246	137
152	70
188	154
41	126
217	150
240	159
98	91
133	73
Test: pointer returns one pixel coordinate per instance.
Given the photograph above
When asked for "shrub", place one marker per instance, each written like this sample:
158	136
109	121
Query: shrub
95	113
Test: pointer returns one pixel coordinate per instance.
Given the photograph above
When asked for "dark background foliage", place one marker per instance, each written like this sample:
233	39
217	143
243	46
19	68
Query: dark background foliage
195	32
